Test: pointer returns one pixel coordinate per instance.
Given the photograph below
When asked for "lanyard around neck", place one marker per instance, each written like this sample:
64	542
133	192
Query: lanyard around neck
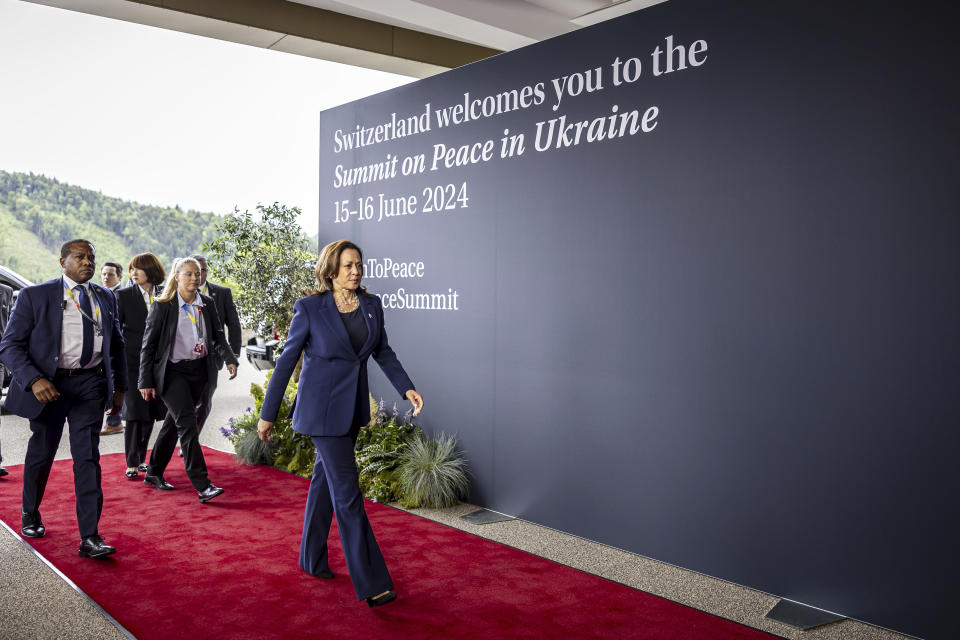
94	303
198	325
148	294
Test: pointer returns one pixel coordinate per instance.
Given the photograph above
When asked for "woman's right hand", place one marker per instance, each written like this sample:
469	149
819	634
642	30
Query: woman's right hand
264	429
148	394
416	400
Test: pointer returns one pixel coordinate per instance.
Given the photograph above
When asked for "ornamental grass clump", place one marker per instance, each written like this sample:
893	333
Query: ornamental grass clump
431	474
251	449
242	432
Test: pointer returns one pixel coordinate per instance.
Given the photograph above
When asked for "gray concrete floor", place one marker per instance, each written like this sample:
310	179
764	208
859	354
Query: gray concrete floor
37	603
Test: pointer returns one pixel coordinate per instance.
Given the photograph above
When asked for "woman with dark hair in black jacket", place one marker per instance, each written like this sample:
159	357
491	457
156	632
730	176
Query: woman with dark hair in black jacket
134	303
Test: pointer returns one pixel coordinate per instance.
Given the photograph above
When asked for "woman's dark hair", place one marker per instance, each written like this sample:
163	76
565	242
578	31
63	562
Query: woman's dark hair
328	265
151	265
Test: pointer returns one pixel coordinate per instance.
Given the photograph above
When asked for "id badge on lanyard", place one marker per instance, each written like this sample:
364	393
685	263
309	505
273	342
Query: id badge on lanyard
94	303
199	346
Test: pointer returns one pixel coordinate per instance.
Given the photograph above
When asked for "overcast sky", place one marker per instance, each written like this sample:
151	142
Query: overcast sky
163	117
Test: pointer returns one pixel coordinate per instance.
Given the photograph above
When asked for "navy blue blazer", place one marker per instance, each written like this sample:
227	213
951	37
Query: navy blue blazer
31	343
332	370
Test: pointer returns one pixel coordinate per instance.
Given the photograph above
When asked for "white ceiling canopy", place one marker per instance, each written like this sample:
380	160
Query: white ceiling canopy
498	24
411	37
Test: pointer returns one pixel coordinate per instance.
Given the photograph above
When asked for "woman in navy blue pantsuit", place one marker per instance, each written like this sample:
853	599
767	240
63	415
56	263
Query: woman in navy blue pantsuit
337	329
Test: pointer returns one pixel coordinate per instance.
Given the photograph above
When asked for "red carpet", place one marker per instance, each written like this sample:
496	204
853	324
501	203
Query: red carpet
229	570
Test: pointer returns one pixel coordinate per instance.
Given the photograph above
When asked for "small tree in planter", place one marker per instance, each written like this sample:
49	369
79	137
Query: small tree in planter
269	262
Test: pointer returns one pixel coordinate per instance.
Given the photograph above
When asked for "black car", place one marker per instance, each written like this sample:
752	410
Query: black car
262	353
10	284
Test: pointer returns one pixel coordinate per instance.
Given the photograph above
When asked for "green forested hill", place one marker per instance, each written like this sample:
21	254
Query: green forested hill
38	214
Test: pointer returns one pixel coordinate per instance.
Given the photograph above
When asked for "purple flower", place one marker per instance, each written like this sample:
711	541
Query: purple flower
396	411
226	432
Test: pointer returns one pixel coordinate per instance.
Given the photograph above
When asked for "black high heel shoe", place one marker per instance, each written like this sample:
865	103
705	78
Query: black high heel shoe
389	596
131	473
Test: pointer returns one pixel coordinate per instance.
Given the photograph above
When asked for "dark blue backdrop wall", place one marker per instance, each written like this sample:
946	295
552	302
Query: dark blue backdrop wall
726	335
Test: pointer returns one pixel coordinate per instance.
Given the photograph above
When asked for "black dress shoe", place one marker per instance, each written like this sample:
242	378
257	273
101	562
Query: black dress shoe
142	468
31	526
389	596
326	575
180	451
209	493
158	482
3	472
95	547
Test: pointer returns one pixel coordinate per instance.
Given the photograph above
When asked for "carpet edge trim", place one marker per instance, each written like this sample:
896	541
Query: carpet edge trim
70	583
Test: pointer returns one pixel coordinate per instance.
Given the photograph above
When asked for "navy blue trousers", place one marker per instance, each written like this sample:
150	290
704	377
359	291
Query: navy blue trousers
335	488
81	405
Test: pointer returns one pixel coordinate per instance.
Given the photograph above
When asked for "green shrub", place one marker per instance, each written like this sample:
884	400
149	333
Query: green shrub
431	474
435	476
287	449
378	450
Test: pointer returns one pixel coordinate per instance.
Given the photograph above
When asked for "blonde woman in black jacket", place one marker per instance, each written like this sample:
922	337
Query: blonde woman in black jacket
182	340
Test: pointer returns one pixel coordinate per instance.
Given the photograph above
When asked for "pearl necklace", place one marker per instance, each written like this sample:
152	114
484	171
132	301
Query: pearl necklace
346	300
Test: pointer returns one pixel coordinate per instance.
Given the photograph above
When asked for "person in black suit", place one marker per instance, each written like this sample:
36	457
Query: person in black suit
337	330
64	347
6	301
177	362
110	276
133	303
227	310
3	472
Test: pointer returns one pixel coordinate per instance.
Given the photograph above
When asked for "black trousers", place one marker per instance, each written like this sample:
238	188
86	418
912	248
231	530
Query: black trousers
136	437
207	405
81	405
184	392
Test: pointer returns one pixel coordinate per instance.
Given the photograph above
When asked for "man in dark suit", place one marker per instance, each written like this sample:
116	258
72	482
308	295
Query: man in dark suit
64	347
227	312
110	276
